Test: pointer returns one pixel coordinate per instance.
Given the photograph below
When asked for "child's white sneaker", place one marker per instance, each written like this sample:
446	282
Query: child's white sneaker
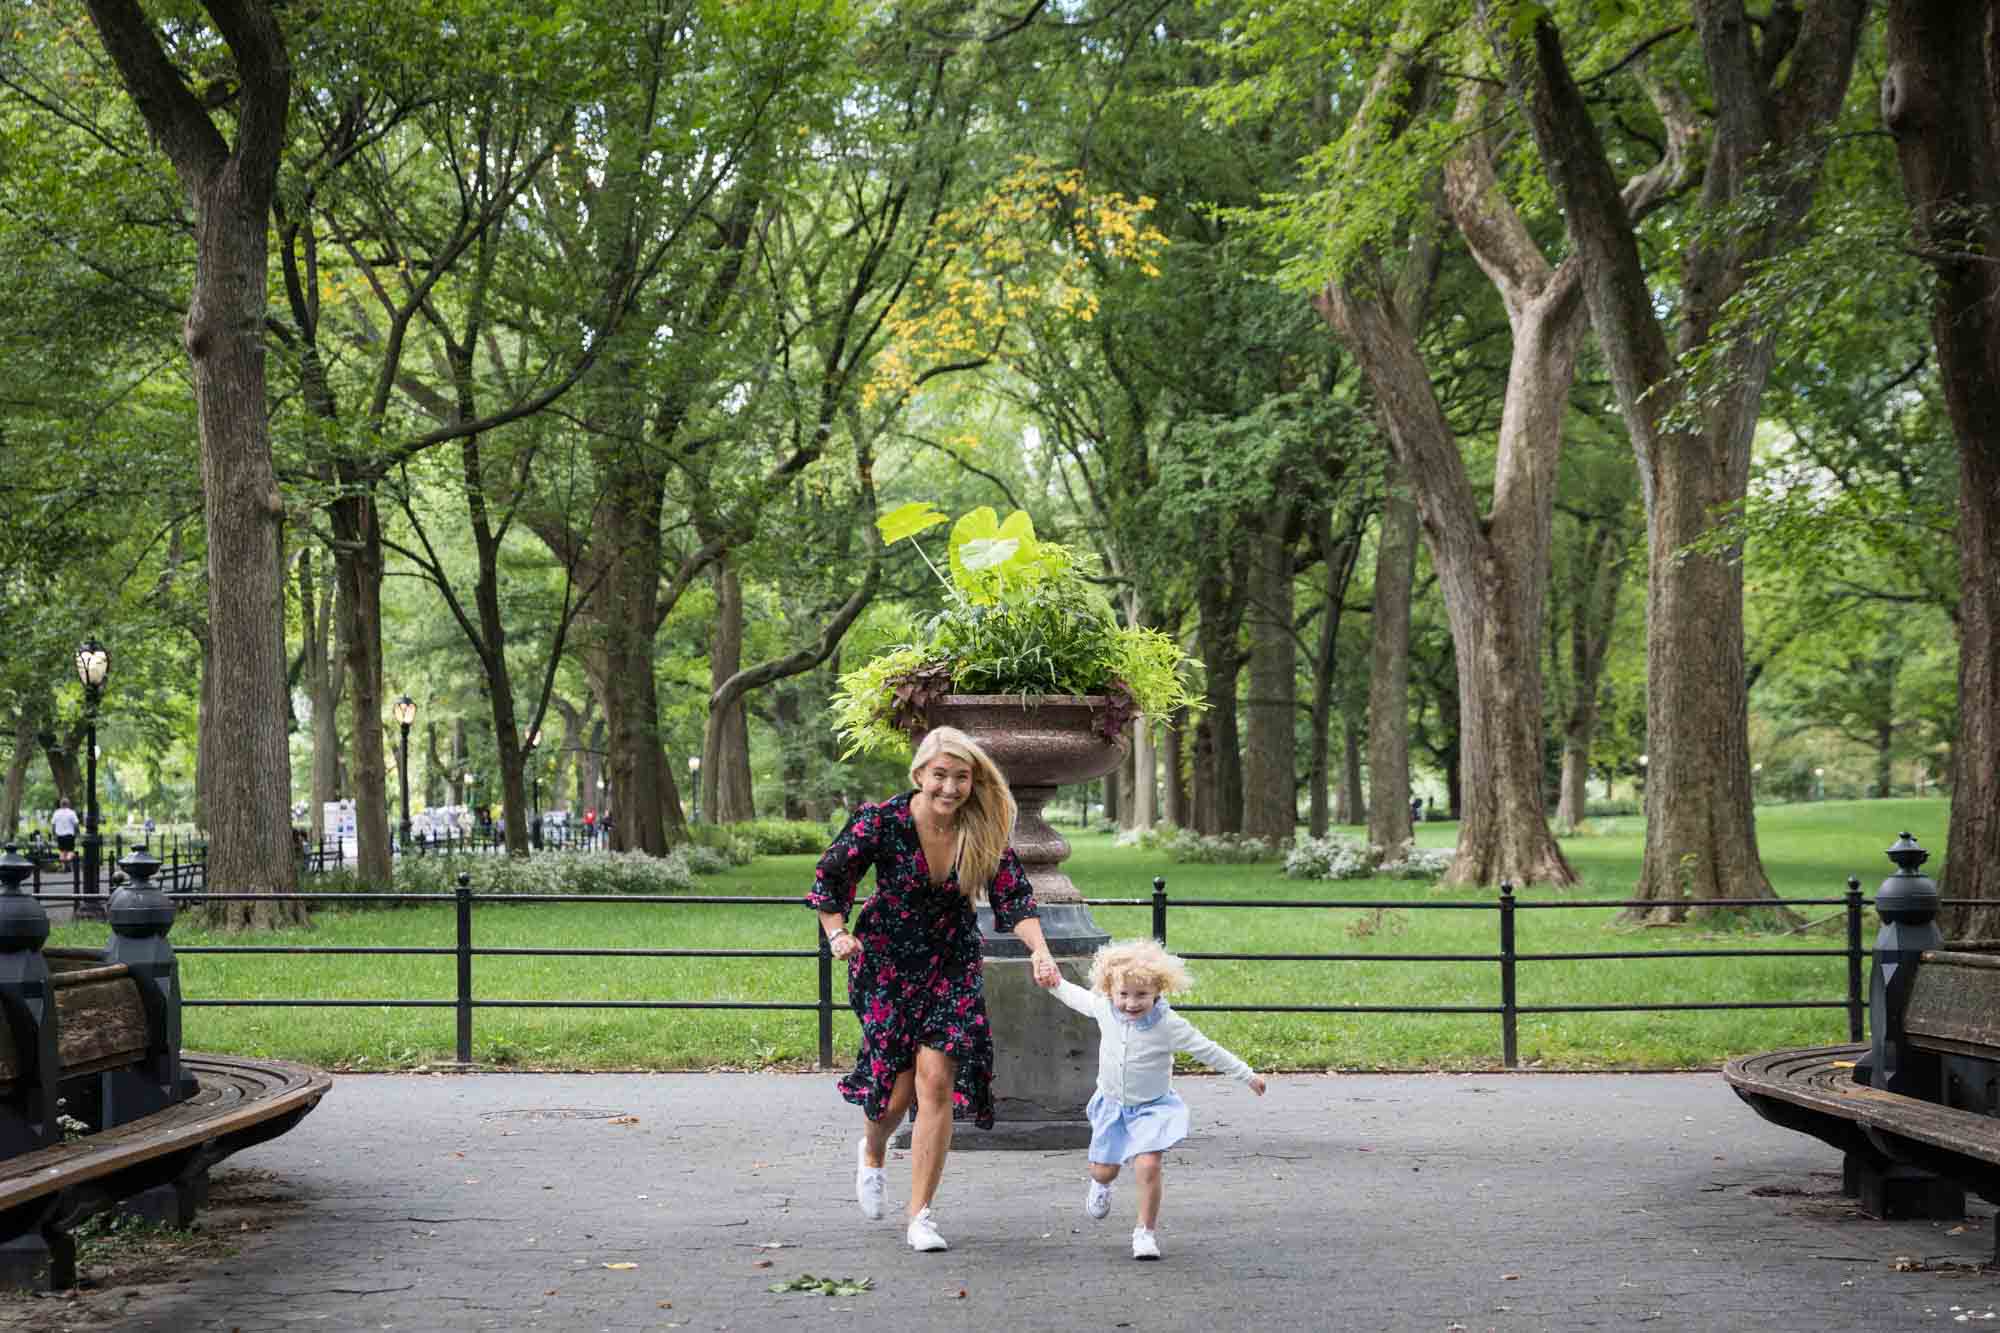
869	1183
1097	1199
1144	1244
923	1234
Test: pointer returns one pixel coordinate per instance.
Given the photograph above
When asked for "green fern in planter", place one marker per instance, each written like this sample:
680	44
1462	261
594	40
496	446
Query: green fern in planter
1020	617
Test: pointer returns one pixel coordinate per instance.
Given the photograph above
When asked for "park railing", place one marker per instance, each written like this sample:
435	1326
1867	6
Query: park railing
1507	957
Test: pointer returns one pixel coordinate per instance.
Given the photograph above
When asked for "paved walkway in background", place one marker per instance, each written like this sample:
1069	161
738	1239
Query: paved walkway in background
1424	1202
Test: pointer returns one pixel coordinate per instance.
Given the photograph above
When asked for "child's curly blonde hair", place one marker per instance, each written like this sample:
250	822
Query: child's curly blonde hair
1144	962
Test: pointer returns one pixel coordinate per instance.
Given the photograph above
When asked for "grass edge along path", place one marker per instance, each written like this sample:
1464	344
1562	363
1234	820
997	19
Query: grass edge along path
1809	851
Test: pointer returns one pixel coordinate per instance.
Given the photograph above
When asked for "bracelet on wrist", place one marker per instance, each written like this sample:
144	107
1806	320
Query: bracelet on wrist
834	938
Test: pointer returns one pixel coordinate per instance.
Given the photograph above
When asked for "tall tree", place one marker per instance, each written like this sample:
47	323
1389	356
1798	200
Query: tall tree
1777	85
245	774
1941	101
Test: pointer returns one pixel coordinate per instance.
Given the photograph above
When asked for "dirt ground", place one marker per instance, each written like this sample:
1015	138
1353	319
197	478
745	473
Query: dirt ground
124	1265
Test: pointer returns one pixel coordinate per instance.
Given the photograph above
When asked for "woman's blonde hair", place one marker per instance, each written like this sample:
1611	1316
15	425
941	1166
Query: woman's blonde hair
986	820
1145	962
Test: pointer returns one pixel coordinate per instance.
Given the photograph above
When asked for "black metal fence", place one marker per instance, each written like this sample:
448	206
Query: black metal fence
1507	958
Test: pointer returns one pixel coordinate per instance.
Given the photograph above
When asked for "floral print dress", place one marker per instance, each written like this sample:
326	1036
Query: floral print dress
917	980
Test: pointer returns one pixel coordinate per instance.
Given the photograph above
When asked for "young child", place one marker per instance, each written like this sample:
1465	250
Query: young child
1135	1115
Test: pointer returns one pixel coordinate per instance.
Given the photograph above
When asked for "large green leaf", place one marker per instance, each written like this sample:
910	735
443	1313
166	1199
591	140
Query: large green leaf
908	520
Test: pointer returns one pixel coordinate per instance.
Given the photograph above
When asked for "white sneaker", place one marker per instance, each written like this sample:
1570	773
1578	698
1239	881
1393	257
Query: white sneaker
1144	1245
869	1183
923	1234
1097	1199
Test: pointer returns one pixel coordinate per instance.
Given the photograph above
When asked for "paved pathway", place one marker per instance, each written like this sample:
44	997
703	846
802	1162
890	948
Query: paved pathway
1353	1202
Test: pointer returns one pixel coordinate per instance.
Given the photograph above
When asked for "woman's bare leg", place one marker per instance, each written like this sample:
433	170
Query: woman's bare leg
1146	1166
1103	1172
876	1132
930	1141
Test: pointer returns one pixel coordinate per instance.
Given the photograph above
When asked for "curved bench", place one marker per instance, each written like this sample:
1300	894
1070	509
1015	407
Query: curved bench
1813	1091
238	1104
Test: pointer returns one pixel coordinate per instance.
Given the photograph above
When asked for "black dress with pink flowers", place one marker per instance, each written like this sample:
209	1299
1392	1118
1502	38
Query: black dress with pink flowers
916	981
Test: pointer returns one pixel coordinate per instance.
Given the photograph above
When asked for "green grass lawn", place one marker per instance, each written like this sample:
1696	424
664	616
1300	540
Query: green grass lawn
1808	850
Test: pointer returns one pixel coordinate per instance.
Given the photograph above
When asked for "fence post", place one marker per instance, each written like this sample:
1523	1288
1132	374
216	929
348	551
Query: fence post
1510	1018
825	997
464	904
1857	998
1160	908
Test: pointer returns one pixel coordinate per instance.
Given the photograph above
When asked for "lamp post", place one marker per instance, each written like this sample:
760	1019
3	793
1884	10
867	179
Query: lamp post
1756	772
406	713
1642	776
535	801
1819	784
93	665
694	781
603	810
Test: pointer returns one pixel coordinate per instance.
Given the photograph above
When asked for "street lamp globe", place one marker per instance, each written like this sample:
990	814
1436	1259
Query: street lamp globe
93	664
406	710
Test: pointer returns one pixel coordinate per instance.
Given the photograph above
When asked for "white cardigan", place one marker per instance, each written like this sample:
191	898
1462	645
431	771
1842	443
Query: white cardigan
1135	1059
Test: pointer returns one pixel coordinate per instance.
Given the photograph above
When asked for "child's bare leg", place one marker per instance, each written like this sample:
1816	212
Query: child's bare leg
1103	1172
930	1141
1147	1167
901	1093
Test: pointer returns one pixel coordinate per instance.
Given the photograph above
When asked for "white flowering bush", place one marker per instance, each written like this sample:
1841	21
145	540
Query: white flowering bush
1337	856
1179	844
550	873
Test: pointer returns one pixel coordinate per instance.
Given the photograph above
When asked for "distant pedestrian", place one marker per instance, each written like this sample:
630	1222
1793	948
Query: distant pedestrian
1416	809
63	823
1135	1115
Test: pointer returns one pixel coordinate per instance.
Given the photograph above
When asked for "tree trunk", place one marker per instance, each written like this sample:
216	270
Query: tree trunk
1351	809
17	771
1774	90
1939	100
1270	764
246	770
1491	567
725	762
358	564
1218	765
317	618
627	604
1389	668
1596	582
787	708
1337	558
1175	807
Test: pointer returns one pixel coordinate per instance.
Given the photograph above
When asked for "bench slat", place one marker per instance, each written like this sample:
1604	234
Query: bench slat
1955	1004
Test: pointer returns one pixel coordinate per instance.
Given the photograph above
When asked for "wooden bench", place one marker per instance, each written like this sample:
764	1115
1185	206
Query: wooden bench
1916	1111
237	1104
99	1106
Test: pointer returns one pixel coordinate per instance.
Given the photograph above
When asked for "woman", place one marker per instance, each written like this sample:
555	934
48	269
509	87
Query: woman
913	970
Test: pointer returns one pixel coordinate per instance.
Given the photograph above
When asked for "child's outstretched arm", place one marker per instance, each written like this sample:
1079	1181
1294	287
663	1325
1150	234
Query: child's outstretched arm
1187	1037
1075	996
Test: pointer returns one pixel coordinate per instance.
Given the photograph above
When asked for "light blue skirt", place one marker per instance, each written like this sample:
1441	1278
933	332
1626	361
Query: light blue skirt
1118	1132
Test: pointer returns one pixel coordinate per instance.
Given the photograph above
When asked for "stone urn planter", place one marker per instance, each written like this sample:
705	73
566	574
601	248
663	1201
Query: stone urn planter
1045	1055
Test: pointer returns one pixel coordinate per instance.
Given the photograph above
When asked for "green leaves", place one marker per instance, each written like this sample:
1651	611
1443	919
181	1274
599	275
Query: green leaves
987	554
826	1286
909	520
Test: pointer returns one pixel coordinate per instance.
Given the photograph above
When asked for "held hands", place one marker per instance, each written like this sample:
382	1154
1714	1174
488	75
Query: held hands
1047	976
844	945
1257	1084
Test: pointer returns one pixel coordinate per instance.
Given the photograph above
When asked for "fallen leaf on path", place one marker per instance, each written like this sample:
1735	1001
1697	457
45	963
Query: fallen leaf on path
623	1120
761	1263
619	1268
